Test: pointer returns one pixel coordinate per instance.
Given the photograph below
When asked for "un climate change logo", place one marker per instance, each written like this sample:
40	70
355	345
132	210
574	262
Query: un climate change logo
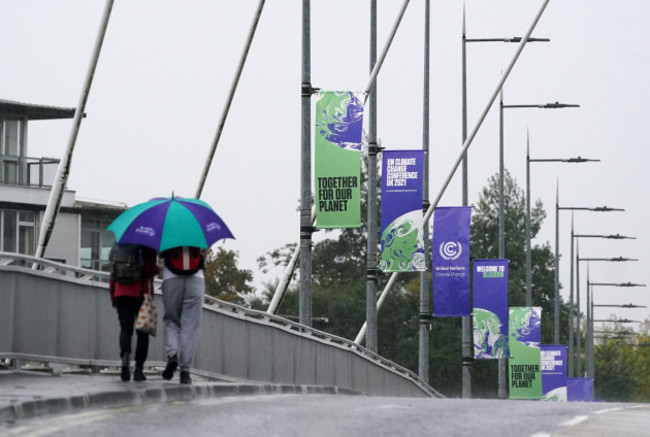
450	250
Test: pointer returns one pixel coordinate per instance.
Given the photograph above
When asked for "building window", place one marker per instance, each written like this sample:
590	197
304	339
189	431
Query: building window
96	244
18	231
11	150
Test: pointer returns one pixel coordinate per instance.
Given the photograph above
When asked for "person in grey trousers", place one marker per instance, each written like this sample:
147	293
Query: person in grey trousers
183	288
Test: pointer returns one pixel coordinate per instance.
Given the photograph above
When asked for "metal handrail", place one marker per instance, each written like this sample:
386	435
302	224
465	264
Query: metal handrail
100	278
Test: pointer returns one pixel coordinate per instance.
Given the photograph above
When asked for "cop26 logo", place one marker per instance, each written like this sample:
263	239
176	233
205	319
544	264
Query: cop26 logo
450	250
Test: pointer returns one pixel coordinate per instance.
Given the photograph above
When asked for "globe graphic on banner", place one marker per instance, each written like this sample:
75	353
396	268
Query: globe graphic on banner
489	342
402	244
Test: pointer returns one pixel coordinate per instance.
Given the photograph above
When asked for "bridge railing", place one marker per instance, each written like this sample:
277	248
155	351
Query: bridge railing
235	342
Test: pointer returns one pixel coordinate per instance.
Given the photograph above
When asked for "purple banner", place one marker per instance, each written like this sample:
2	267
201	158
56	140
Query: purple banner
402	238
490	309
554	381
450	252
580	389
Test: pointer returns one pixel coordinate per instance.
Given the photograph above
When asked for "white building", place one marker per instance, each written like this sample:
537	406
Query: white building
79	237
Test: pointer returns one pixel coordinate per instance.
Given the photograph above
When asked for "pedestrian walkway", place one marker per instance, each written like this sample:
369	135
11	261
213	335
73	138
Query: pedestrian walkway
29	393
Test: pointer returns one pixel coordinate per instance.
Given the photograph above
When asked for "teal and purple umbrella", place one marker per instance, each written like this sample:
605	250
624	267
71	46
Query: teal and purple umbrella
163	223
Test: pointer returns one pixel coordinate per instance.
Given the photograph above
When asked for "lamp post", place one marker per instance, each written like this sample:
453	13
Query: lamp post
588	323
590	367
555	105
578	160
465	40
571	295
466	321
502	243
556	336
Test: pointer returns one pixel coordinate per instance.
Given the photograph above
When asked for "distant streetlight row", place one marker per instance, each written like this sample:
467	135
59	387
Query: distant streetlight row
501	234
589	349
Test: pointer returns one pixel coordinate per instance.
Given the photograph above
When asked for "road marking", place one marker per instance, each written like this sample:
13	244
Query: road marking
15	431
607	410
576	420
541	434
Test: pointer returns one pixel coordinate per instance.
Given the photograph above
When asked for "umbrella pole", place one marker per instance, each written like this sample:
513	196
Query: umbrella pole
62	172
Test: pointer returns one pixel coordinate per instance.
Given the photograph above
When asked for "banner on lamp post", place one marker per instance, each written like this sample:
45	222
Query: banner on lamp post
402	237
554	380
524	367
490	297
450	264
337	155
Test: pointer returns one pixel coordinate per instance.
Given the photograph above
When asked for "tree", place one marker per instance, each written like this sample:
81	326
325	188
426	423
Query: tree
614	370
224	280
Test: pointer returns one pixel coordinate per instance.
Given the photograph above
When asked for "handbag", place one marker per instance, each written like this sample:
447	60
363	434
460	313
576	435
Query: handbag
147	320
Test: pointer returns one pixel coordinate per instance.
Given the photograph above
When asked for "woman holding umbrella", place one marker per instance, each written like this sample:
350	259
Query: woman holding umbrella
180	229
133	268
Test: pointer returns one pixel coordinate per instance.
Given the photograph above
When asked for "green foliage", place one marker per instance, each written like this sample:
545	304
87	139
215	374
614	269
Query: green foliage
622	366
224	280
614	379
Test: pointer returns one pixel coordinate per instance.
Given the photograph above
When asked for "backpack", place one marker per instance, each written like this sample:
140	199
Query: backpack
127	263
184	260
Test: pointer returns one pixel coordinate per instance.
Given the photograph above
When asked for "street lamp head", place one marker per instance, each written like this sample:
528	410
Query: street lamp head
620	258
557	105
619	237
580	159
630	305
630	284
605	209
518	39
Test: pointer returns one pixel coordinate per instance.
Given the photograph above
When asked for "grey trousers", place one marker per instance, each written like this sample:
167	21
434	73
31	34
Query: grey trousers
183	300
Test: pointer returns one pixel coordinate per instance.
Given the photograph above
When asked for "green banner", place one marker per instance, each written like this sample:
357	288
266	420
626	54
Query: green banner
339	119
524	366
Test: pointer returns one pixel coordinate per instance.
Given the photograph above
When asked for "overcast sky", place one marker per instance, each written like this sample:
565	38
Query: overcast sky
166	68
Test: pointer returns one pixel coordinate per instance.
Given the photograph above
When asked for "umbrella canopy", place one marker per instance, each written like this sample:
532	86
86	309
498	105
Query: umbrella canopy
163	223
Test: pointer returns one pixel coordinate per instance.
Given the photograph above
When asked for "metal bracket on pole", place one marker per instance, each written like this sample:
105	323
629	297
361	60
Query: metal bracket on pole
306	231
374	148
425	206
372	274
307	90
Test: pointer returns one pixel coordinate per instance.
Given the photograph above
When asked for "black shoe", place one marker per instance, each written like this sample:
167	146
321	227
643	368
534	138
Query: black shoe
185	377
138	374
170	368
126	371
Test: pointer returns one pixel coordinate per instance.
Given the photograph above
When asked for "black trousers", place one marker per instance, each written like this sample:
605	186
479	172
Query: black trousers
127	311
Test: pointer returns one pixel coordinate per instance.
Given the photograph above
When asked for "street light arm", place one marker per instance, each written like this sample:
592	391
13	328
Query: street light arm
555	105
577	160
617	284
586	208
515	39
611	236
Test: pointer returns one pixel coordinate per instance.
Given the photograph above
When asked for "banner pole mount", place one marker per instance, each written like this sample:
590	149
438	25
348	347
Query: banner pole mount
307	90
